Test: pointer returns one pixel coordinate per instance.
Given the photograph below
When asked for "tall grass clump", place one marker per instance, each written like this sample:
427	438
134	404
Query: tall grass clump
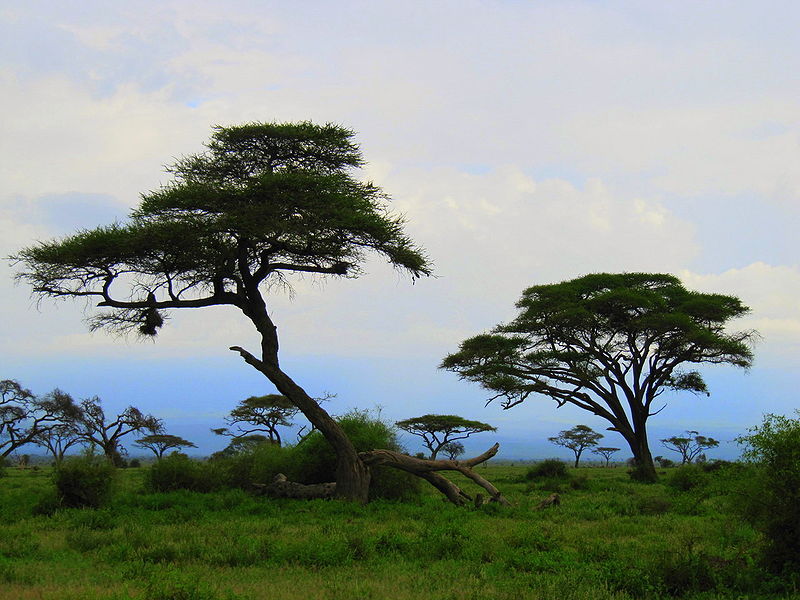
773	500
314	460
84	481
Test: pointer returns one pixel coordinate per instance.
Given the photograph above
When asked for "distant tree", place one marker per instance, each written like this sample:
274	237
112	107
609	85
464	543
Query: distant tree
264	202
689	446
24	417
609	344
605	452
664	463
577	439
438	430
159	443
241	445
66	432
95	429
259	414
453	450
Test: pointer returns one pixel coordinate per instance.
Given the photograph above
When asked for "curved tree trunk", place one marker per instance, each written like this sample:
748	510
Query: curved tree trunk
352	475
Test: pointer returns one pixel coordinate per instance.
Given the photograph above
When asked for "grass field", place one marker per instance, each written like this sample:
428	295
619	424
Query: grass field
609	538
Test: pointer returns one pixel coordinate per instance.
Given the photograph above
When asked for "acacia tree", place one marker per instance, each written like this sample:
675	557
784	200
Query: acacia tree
65	432
689	446
453	450
106	434
259	414
437	431
605	452
159	443
263	202
577	439
25	417
610	344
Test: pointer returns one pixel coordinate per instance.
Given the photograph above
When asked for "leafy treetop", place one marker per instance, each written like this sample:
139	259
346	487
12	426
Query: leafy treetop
264	200
609	344
437	431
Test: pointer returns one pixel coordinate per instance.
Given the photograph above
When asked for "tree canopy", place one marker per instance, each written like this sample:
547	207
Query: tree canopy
577	439
263	202
159	443
689	446
610	344
259	414
437	431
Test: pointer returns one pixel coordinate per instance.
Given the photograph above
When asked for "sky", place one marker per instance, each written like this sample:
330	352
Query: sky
525	143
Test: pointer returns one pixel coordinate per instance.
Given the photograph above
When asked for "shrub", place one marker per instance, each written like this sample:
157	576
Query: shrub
134	463
775	507
84	481
179	472
314	461
550	468
687	477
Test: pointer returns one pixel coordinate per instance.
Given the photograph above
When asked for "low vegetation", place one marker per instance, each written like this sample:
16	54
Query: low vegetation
609	538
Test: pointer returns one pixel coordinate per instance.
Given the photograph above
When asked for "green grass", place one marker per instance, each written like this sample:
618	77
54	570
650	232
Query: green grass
609	539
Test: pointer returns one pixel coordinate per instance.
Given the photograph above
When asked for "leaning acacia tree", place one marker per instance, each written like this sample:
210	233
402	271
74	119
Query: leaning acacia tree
610	344
263	202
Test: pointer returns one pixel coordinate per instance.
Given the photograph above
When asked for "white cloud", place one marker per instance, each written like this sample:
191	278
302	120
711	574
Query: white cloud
773	294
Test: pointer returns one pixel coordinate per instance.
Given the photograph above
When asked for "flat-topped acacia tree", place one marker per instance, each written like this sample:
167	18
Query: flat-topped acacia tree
263	202
609	344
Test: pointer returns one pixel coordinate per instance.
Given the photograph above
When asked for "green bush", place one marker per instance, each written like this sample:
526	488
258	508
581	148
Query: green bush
314	461
774	506
179	472
84	481
687	477
550	468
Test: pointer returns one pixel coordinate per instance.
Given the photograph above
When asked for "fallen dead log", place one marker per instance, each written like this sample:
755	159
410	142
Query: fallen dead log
283	488
427	469
551	500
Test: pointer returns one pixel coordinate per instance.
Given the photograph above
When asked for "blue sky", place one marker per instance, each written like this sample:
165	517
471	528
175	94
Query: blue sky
525	143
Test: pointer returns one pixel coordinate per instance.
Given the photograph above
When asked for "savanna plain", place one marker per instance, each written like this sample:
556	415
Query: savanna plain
609	538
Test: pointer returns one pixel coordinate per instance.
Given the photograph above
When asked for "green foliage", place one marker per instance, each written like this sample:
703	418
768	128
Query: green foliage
264	200
179	472
577	439
315	461
551	468
687	477
774	507
84	481
605	340
437	431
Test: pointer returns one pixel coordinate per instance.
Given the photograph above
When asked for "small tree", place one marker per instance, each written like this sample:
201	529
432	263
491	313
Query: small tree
159	443
453	450
689	446
24	418
107	434
259	415
605	452
609	344
438	430
577	439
